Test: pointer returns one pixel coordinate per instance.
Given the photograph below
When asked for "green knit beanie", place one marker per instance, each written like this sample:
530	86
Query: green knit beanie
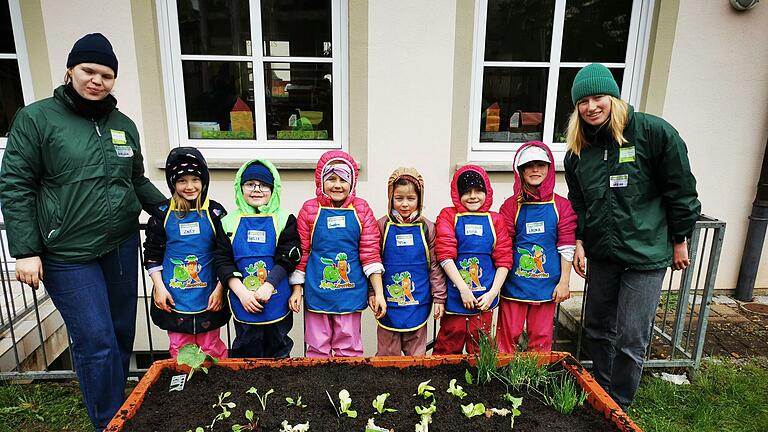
594	79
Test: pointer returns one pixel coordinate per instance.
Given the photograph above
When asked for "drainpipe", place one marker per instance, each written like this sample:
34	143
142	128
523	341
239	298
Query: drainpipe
753	246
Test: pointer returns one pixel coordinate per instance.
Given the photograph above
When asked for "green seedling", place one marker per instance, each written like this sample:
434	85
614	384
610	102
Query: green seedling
194	357
303	427
516	402
372	427
456	390
486	359
250	426
197	429
295	402
425	390
345	402
378	403
473	410
426	416
262	399
225	408
565	396
468	377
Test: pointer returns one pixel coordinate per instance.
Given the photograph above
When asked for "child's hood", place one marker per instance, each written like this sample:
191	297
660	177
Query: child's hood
413	175
326	159
547	187
274	201
456	198
177	156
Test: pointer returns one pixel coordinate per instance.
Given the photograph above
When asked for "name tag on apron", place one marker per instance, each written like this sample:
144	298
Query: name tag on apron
256	236
337	222
123	151
191	228
534	227
626	154
619	181
471	229
404	239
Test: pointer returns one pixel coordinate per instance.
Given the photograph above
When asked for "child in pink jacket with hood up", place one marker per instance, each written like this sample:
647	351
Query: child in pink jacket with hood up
542	226
340	254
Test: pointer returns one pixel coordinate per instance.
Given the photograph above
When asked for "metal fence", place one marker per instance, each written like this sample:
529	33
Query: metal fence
30	327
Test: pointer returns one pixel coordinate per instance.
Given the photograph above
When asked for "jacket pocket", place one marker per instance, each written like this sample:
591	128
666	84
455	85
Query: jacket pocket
49	214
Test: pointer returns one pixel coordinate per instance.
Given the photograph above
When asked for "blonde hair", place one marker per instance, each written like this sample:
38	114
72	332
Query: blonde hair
181	206
617	120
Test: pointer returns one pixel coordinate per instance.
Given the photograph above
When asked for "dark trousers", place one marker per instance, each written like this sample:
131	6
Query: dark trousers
621	304
264	341
97	300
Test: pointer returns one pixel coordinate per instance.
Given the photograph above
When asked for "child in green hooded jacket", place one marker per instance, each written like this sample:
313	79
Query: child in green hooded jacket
266	248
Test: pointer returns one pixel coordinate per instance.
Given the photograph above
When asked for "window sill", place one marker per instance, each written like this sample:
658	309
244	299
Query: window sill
234	164
505	166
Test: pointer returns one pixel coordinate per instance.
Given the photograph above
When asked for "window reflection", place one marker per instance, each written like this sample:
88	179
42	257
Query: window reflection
215	27
11	98
596	30
564	106
519	30
298	28
513	104
299	101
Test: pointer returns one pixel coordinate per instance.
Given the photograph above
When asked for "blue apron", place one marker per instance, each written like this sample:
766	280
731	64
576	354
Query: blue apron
406	277
188	270
334	281
537	263
475	241
253	246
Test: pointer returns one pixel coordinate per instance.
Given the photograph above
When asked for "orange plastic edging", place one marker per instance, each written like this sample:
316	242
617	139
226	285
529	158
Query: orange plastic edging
597	397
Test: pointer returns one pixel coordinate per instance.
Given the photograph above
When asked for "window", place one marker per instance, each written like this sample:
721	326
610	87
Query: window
14	69
262	75
527	53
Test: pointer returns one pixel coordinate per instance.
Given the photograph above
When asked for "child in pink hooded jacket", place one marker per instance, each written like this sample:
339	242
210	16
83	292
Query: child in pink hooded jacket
340	255
542	226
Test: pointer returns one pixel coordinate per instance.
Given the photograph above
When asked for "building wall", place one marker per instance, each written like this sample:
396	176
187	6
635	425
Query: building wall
409	91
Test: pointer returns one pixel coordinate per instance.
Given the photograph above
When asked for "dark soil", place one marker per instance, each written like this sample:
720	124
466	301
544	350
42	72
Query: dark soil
182	411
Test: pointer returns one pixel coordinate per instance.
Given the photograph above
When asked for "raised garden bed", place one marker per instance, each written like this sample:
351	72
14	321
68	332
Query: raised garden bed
151	407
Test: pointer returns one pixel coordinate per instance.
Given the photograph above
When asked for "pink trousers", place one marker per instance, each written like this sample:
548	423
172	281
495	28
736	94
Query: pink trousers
393	343
458	331
332	335
513	316
210	342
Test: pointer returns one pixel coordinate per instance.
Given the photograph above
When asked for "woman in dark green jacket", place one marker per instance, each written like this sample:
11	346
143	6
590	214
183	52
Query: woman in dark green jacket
71	189
630	183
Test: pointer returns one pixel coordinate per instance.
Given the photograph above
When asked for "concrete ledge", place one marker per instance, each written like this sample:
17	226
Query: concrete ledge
234	164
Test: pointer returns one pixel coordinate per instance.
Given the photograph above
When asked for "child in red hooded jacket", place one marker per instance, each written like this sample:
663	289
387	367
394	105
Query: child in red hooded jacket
542	226
340	255
474	249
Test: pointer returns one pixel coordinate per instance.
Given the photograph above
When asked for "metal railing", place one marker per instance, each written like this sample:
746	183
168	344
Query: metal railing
678	336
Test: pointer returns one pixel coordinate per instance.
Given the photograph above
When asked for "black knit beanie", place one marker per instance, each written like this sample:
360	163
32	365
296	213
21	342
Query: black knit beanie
93	48
470	179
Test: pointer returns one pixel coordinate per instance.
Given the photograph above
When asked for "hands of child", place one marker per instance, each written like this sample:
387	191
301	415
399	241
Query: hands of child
264	292
562	292
438	310
294	301
214	300
469	300
246	297
580	260
378	305
162	298
485	301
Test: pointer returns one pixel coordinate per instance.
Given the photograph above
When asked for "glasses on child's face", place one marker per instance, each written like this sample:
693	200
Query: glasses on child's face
254	186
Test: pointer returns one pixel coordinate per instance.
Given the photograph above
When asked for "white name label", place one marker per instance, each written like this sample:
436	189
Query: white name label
256	236
617	181
337	222
177	382
191	228
404	239
534	227
123	151
471	229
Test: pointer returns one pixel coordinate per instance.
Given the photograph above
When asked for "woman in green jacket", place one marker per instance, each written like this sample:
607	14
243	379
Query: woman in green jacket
71	189
631	186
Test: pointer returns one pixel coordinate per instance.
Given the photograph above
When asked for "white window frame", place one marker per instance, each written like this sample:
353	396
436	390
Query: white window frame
171	58
634	66
25	73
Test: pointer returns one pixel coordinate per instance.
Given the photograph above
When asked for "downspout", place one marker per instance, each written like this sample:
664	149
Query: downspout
753	246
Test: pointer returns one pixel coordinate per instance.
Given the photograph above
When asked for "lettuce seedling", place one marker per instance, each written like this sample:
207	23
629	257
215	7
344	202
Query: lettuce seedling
467	376
303	427
224	407
456	390
295	402
426	416
250	426
345	402
372	427
262	399
473	410
516	402
425	390
378	403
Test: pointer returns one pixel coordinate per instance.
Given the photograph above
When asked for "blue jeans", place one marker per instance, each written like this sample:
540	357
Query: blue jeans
97	300
621	304
267	341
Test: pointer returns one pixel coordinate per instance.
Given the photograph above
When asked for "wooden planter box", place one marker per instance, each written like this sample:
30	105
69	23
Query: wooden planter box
598	399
